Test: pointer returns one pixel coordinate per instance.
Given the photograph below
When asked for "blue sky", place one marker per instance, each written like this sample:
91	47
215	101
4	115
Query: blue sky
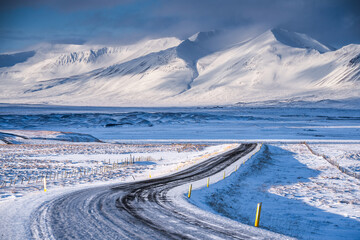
25	23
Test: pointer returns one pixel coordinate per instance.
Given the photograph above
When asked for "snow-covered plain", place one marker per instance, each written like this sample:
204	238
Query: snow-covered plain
24	166
347	155
302	194
201	70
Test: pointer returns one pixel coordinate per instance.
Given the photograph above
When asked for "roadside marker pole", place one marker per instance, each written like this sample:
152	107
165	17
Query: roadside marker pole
224	175
235	168
258	211
45	184
208	181
189	194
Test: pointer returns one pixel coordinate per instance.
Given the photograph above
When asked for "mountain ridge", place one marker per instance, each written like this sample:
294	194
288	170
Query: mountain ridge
200	70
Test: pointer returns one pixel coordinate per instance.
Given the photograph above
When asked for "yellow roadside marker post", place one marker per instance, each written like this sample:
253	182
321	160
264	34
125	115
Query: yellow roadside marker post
189	194
208	182
45	185
224	175
258	211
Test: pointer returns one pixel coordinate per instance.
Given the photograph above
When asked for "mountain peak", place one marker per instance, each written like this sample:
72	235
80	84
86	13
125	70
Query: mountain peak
298	40
203	36
199	45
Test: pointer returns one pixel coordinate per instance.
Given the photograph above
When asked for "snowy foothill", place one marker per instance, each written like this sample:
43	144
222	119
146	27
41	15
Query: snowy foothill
233	123
302	194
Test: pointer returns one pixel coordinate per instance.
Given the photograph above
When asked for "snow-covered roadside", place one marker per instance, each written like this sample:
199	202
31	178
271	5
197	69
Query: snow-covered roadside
303	195
15	210
187	207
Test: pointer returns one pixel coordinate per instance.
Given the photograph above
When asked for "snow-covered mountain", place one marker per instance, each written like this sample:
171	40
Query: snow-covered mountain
201	70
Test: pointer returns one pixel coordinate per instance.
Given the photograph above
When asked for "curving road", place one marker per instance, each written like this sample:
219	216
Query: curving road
138	210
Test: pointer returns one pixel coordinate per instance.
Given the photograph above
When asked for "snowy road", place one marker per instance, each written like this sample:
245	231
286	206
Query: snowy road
141	210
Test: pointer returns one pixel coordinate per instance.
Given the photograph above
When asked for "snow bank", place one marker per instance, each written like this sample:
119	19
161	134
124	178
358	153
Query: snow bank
36	136
303	195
